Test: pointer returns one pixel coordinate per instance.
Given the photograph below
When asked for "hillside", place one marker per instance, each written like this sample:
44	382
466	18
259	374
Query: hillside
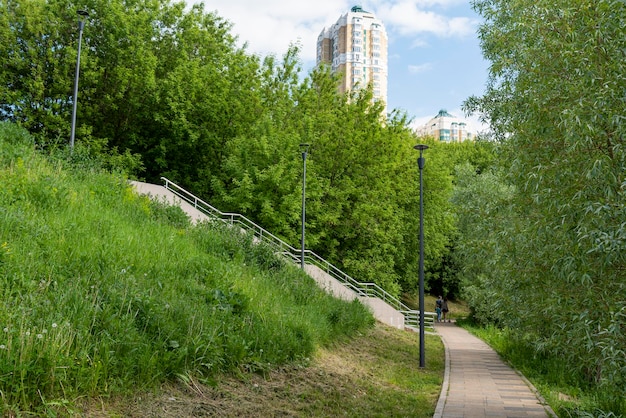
374	374
107	294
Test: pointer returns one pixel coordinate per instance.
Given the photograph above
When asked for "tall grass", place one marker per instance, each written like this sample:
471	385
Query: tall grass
103	291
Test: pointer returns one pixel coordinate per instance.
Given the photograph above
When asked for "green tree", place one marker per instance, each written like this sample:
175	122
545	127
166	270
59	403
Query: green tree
169	83
556	101
157	78
38	49
443	276
484	212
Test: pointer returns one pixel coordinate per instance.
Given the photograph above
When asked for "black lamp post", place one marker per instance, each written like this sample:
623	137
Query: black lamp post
304	148
81	25
420	164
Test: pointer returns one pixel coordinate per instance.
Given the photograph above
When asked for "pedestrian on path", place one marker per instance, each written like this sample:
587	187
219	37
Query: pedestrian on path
444	309
438	305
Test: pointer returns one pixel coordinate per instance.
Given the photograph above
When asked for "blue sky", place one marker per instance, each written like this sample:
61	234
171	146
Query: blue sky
435	60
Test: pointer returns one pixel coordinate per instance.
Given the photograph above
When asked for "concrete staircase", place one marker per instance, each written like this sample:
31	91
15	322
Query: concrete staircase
384	307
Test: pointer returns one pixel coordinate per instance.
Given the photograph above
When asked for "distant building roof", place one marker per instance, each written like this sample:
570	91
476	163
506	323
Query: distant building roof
446	128
358	9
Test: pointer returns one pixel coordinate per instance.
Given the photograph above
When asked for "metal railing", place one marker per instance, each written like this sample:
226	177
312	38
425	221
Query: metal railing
411	316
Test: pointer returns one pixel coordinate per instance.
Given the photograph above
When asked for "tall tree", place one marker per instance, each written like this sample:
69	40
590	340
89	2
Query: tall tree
157	78
38	51
556	101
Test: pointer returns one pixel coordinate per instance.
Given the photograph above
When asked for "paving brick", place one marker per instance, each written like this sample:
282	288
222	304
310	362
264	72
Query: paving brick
479	383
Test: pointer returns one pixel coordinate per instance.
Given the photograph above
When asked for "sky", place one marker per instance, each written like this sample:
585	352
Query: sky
435	61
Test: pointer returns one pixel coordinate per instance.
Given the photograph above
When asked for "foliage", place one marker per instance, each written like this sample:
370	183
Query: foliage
555	101
483	203
359	179
157	79
165	91
443	267
104	291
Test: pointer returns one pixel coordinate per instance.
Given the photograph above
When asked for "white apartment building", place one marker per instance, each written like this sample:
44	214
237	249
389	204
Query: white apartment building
446	128
356	48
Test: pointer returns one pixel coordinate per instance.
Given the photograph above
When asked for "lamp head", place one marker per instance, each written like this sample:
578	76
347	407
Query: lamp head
82	13
304	148
421	160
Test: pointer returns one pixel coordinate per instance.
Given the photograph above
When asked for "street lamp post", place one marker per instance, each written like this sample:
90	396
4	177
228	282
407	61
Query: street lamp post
420	164
81	25
303	149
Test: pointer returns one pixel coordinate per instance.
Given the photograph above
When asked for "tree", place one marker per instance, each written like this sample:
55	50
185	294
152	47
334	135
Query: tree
352	216
36	75
556	102
444	276
484	213
157	78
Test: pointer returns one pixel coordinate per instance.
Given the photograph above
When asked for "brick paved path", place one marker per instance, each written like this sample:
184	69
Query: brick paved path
479	384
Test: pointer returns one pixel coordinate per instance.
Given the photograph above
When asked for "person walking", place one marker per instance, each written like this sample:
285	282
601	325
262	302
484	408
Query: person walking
444	309
438	306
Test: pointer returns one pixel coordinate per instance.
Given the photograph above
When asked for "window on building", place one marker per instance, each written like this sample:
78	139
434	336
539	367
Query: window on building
454	130
356	49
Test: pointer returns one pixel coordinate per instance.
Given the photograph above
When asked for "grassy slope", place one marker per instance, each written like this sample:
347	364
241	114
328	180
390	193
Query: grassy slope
374	374
105	293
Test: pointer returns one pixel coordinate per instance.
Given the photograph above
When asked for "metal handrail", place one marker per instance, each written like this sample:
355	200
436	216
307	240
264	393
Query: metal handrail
411	316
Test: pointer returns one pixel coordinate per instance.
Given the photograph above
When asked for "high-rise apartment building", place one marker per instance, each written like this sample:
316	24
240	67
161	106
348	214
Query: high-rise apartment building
446	128
356	48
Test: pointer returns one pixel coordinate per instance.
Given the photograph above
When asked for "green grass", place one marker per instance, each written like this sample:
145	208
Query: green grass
104	291
567	394
372	374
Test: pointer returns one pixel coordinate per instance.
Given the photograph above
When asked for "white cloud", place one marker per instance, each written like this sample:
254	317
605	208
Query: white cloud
474	125
410	18
420	121
270	26
418	43
415	69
